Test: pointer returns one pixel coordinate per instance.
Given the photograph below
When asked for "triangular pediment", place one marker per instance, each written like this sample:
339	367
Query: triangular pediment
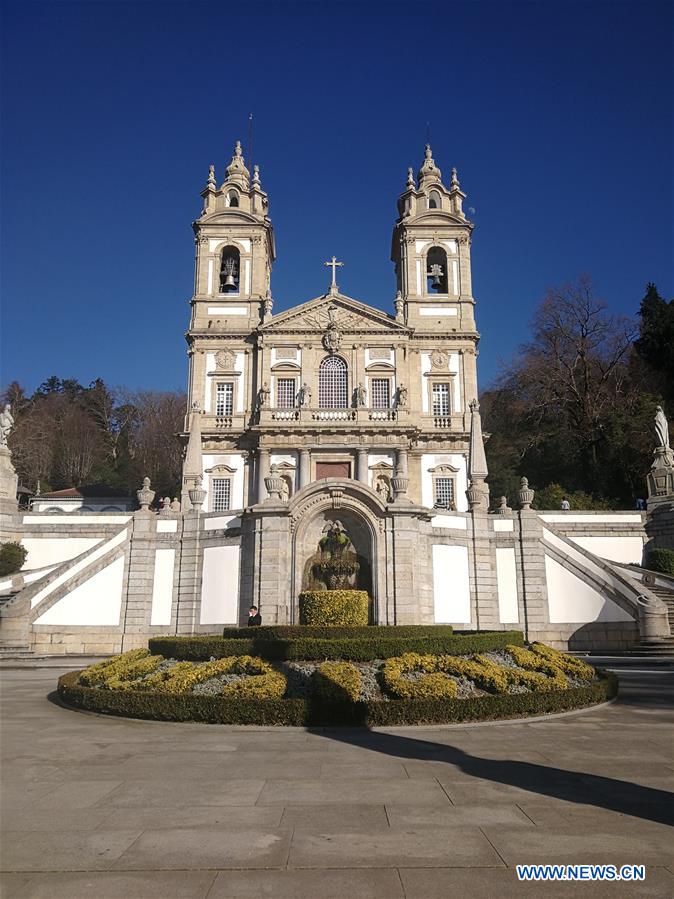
344	313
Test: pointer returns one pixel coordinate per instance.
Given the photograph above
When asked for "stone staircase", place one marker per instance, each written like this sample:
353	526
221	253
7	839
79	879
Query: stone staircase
661	647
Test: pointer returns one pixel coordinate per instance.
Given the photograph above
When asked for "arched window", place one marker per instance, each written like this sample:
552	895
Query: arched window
436	270
333	388
232	199
434	201
230	267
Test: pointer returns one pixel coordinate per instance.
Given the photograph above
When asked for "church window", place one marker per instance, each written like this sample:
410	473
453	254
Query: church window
224	398
381	393
436	270
285	393
441	399
434	201
230	267
222	491
444	493
232	198
333	383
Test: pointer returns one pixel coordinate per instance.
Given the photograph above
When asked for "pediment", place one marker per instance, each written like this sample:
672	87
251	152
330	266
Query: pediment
349	316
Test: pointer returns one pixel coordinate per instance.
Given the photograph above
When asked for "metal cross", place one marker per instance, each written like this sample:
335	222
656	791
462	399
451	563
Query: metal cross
333	265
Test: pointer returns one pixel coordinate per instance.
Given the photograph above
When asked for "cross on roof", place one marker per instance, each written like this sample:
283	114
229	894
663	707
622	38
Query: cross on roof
333	265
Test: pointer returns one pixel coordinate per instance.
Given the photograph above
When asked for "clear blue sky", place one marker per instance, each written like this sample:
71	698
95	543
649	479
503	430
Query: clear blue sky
557	115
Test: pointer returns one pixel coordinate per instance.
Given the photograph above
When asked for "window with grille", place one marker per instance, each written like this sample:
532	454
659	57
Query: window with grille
381	393
444	492
222	491
224	398
285	393
441	399
333	383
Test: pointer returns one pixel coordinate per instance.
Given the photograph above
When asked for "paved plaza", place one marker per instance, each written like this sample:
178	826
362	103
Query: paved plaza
95	806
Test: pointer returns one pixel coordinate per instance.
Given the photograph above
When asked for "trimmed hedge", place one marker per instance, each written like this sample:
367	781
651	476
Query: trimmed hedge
330	608
286	631
12	557
337	681
661	560
300	712
361	649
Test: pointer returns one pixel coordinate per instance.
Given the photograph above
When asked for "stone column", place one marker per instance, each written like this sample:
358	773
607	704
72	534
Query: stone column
361	466
305	467
262	472
401	468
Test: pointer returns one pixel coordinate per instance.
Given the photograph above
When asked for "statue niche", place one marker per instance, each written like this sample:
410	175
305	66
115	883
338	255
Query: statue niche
338	564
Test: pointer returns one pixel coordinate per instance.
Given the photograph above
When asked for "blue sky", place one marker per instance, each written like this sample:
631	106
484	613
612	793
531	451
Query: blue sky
557	115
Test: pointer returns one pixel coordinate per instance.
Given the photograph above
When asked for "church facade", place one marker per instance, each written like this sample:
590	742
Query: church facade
333	400
330	412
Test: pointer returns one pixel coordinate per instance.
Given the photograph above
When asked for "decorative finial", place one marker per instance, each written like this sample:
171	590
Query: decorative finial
428	153
455	179
410	177
211	174
256	174
237	149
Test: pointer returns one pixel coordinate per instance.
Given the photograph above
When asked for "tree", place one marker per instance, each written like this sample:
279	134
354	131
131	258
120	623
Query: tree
655	346
571	409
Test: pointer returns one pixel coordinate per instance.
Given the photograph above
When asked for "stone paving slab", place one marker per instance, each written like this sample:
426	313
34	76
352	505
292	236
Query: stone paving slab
393	848
501	883
96	807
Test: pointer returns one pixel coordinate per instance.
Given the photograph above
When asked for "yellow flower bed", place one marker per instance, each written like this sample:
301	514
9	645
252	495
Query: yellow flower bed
541	670
119	672
136	670
334	679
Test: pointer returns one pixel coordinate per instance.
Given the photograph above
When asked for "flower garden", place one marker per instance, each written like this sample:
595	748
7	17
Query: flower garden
317	675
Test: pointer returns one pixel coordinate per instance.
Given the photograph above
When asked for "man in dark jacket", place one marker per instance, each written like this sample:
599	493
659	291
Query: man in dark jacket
254	617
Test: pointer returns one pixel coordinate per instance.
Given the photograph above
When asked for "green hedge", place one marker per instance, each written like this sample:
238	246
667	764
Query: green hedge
360	649
12	557
300	712
661	560
334	608
286	631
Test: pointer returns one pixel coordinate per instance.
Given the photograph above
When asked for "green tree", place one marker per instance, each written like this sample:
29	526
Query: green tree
655	344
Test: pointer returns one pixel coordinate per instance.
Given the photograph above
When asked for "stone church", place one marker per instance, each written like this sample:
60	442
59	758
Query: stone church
332	404
331	412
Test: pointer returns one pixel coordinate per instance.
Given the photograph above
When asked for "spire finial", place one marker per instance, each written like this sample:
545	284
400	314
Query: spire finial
428	153
455	178
256	175
410	177
211	175
237	149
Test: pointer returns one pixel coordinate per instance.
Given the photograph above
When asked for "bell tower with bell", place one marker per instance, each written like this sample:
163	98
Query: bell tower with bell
431	253
235	252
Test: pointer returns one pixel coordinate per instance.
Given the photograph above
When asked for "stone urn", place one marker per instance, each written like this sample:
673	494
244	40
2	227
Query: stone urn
274	483
197	494
399	485
145	495
525	494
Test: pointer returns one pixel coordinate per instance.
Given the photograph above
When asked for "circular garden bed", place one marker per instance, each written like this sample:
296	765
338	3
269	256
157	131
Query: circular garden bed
375	676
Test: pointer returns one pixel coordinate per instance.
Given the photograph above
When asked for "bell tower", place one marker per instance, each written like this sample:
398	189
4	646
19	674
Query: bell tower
431	252
235	252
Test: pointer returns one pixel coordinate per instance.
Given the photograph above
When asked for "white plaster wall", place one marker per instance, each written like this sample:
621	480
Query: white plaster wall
221	521
571	600
162	586
449	521
616	549
235	462
454	363
240	365
43	551
167	527
438	310
425	367
456	460
506	581
590	518
98	601
78	518
503	524
451	584
220	585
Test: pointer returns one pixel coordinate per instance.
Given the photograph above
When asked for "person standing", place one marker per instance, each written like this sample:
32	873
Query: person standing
254	617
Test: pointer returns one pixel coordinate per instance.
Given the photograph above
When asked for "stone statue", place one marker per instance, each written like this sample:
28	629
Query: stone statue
285	490
382	489
305	395
6	424
399	305
175	505
402	396
661	427
360	395
263	396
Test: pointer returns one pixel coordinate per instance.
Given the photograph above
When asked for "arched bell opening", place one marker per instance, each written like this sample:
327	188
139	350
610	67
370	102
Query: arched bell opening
230	269
436	271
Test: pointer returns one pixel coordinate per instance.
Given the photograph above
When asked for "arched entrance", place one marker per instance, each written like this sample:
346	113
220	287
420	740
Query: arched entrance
361	514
